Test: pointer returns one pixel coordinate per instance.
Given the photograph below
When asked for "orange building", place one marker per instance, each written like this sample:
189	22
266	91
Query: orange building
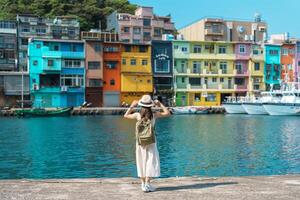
111	74
287	62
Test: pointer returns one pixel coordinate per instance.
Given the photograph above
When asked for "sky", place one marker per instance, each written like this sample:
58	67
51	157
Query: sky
281	15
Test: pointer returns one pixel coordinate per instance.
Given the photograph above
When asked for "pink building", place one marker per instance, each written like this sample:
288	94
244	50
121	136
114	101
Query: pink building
142	27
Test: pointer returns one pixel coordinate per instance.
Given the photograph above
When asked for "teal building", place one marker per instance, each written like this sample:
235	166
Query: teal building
272	65
57	72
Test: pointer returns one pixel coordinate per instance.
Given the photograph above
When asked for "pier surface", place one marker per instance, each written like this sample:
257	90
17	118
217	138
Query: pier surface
232	188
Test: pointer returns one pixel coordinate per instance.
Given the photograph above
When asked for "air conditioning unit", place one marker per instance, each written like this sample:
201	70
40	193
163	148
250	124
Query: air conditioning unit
247	37
64	88
251	37
36	87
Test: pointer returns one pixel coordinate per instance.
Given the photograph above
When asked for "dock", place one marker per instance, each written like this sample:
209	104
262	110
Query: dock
105	111
207	188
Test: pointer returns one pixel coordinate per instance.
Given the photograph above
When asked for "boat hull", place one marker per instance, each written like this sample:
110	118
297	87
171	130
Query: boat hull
254	109
280	109
234	108
44	113
189	111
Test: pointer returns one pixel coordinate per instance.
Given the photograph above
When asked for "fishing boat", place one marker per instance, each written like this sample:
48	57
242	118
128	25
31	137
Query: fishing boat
289	104
189	110
254	106
41	112
233	105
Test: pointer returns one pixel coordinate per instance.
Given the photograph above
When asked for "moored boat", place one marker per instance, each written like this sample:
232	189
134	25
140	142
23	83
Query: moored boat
233	105
254	106
189	110
41	112
278	109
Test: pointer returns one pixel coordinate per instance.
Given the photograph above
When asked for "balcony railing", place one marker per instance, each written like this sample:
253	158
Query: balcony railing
211	32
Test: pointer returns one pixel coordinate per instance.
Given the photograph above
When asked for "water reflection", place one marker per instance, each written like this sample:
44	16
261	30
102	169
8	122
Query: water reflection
212	145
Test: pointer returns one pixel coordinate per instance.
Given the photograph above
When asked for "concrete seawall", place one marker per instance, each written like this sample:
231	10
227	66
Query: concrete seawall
231	188
105	111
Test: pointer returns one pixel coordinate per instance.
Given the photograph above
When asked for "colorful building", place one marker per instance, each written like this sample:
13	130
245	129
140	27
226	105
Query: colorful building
297	62
218	29
207	72
162	68
287	62
272	72
94	72
136	72
142	27
57	72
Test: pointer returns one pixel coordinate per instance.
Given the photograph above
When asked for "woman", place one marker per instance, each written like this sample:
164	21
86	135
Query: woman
147	156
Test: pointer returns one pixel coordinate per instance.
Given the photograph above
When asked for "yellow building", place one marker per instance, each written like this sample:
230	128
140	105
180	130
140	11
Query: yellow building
136	72
207	72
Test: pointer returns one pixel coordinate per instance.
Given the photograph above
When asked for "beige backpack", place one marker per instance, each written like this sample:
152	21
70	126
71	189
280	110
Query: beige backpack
144	132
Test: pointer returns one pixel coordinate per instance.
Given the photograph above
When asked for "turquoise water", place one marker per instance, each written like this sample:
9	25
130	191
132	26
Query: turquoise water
104	146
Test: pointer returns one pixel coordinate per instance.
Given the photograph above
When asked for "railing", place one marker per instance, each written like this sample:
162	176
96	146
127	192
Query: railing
211	32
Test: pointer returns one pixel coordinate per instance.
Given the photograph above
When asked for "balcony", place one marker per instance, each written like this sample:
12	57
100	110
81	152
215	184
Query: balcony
44	89
242	88
240	73
163	86
63	54
169	26
214	32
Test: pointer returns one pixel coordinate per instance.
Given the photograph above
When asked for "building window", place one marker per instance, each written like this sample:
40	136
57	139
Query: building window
196	67
127	48
24	41
222	50
214	80
50	63
239	81
123	61
111	64
38	46
73	48
144	62
97	48
206	63
197	49
239	67
157	32
255	52
197	97
211	98
182	80
56	48
136	30
72	80
273	52
35	63
142	49
111	49
162	65
112	82
256	87
256	66
94	65
126	29
133	62
95	83
40	30
136	41
222	80
147	22
149	81
299	63
72	63
25	29
176	47
223	67
184	49
242	49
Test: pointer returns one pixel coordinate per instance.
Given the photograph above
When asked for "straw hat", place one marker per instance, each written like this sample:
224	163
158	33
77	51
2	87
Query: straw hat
146	101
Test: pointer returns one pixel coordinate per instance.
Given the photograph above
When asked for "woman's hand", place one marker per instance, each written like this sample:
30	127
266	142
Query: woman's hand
134	103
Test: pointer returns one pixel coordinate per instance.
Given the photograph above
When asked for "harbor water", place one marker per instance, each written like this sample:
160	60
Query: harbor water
104	146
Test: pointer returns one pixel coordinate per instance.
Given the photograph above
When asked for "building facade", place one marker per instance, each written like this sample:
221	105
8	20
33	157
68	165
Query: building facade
32	26
162	68
136	72
288	62
218	29
272	66
208	72
57	72
142	27
297	61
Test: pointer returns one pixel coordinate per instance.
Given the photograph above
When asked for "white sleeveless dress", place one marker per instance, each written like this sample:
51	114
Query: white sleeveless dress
147	158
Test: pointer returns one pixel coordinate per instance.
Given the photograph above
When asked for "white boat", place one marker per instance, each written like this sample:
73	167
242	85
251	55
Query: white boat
189	110
233	105
289	104
254	106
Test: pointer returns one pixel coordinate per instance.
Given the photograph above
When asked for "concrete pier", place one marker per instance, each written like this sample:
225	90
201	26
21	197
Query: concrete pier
231	188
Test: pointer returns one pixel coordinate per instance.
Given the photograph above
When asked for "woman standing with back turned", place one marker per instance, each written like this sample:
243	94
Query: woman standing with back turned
147	156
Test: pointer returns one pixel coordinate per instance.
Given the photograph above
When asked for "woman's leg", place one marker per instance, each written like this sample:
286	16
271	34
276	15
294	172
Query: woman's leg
147	180
143	180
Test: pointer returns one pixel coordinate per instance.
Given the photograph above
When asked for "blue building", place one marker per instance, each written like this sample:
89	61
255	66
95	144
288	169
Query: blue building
57	72
162	68
272	65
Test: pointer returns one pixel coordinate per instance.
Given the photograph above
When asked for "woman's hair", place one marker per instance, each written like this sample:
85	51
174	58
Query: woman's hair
146	113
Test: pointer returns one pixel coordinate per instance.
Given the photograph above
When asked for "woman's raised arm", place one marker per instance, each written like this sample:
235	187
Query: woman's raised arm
128	114
164	113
